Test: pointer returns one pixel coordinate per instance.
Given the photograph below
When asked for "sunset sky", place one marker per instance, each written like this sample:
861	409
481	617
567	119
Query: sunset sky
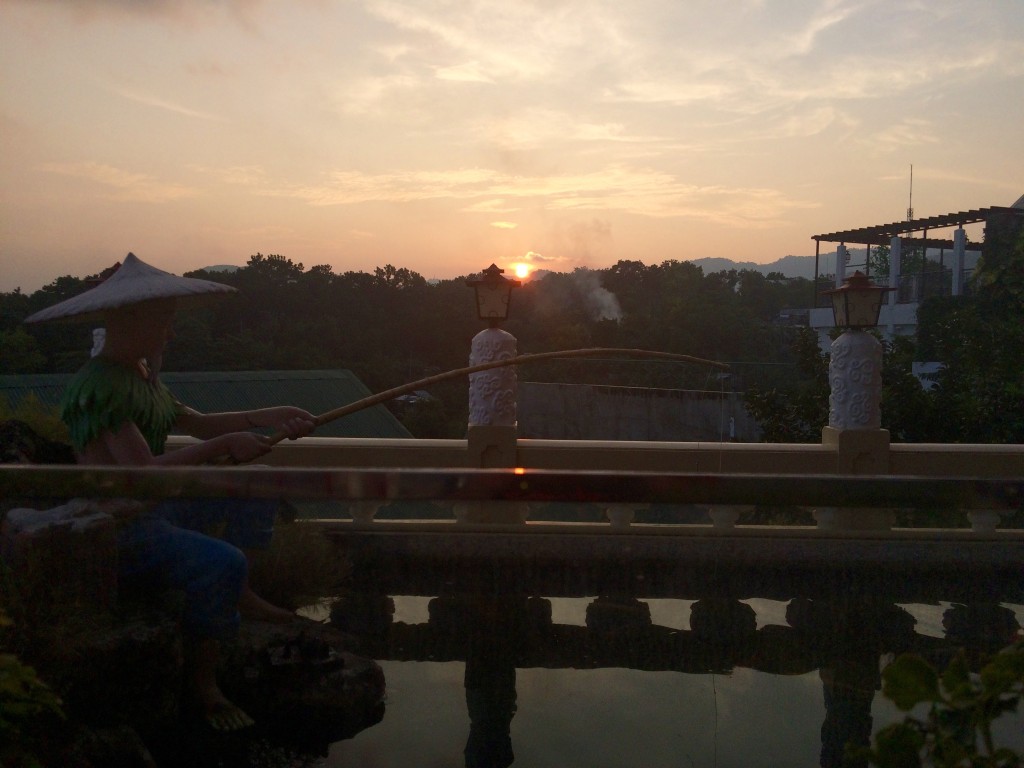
443	135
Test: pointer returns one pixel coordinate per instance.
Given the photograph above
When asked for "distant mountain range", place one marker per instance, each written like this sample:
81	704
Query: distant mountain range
790	266
803	266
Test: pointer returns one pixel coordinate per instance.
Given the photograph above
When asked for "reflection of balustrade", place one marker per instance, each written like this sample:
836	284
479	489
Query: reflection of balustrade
723	635
495	633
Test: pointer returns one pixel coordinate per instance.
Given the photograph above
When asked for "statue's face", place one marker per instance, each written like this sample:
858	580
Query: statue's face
146	327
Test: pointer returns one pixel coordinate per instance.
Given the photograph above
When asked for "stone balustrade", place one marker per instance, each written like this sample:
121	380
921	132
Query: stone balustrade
843	452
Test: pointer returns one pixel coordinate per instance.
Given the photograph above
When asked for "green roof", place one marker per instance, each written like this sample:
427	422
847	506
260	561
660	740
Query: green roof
209	392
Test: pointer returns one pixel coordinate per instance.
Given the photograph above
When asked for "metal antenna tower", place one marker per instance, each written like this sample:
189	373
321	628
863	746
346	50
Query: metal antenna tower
910	203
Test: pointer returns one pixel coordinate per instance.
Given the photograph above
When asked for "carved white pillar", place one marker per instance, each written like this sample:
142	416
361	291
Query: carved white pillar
842	254
959	251
854	425
855	376
491	436
363	512
724	515
895	257
984	520
620	515
492	394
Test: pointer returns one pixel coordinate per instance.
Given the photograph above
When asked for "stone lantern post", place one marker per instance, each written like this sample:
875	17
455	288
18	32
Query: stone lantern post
855	377
491	433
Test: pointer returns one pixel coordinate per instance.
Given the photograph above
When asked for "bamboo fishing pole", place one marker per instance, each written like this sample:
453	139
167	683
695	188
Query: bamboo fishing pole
390	394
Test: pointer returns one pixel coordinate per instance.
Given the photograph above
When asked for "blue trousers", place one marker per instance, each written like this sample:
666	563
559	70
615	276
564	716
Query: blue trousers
168	547
246	523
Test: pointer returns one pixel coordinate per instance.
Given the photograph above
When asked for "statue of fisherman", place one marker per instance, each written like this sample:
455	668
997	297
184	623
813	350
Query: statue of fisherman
120	413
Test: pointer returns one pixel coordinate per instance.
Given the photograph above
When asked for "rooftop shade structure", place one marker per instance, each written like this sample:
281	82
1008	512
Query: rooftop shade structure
882	234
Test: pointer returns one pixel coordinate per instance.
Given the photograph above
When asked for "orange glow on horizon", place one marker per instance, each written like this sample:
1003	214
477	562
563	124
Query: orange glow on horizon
521	270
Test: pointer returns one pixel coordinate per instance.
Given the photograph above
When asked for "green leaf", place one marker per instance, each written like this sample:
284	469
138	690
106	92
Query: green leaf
909	681
1006	758
1004	672
898	746
956	680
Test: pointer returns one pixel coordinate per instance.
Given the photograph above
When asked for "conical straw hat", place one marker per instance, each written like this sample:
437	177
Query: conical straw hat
134	282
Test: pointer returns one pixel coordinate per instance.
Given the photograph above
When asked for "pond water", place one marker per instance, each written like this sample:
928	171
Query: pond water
492	678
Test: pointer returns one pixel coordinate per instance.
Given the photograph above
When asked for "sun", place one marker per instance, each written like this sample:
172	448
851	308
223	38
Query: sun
522	271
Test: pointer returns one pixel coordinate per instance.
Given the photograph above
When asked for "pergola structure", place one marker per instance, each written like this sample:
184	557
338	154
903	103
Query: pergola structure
881	234
893	233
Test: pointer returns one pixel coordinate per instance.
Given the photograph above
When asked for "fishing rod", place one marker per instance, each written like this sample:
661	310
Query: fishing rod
390	394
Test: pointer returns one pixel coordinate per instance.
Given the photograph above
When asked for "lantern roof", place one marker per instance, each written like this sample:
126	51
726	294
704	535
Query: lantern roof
493	274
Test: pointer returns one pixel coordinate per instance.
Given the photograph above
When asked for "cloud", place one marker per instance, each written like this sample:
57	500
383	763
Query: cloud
491	44
468	72
504	224
154	101
187	11
532	257
370	95
238	175
804	40
937	174
535	127
675	92
614	188
123	185
908	132
491	206
809	121
254	234
208	69
827	53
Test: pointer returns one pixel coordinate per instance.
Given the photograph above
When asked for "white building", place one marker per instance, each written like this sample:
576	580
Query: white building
944	273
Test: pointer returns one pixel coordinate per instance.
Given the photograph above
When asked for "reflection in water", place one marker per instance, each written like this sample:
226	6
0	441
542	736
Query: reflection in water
490	678
844	642
852	639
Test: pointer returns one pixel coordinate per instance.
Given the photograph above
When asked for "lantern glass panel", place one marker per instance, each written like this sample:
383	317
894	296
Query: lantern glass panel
857	308
492	301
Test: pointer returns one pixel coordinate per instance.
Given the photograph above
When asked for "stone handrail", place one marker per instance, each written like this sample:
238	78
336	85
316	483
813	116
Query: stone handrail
914	459
503	495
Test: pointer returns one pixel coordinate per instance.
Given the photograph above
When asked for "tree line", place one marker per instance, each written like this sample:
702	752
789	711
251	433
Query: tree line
392	326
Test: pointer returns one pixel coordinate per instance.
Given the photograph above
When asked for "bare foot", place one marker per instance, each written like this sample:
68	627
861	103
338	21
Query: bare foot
252	606
221	714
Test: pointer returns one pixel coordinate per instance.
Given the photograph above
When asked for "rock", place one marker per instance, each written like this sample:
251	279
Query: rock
120	671
123	687
117	672
300	683
118	747
20	444
62	559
